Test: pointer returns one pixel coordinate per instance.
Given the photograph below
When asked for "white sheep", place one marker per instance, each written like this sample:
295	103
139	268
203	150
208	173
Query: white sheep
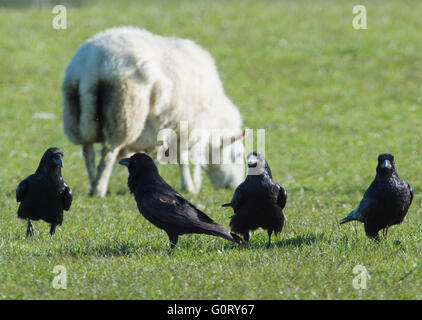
124	85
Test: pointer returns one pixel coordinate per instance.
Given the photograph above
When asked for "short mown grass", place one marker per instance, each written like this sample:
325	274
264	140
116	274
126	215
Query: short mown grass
330	98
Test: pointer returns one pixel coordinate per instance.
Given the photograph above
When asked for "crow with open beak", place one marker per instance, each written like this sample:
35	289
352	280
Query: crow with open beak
258	202
44	195
385	202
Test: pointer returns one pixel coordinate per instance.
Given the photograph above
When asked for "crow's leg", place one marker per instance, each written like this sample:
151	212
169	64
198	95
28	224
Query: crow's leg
52	228
29	229
372	232
246	238
374	236
269	238
173	239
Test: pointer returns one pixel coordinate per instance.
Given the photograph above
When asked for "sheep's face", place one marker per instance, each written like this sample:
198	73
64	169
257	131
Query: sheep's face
230	173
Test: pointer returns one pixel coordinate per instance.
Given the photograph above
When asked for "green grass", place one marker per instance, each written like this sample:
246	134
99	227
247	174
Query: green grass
331	99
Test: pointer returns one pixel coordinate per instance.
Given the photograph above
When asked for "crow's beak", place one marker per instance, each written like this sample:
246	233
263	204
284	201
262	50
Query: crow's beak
58	161
386	164
125	162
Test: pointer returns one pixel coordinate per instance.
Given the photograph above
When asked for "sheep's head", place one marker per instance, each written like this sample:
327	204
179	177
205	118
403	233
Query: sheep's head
230	170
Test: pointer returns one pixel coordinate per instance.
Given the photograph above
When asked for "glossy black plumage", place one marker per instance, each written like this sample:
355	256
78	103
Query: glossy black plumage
385	202
161	205
44	195
258	202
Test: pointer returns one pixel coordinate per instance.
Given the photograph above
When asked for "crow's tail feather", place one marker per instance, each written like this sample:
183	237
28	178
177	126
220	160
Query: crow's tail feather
221	231
229	236
236	238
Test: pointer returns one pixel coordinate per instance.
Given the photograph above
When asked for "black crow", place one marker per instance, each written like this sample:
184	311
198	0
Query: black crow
44	194
258	201
385	202
161	205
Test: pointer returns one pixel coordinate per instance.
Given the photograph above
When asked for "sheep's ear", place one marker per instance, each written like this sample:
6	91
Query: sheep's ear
241	136
229	139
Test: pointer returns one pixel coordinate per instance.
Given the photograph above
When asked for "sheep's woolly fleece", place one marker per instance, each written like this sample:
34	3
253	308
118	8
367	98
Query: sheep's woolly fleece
126	84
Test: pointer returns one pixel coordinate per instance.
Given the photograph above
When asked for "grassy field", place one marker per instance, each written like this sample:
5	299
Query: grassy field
331	99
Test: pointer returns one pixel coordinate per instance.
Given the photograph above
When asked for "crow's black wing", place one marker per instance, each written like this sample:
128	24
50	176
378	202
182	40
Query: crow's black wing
21	190
410	190
237	199
67	197
372	198
365	207
189	210
173	209
282	196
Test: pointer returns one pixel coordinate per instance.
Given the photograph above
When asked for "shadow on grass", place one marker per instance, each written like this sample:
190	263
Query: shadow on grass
130	248
40	4
127	247
122	192
193	245
300	240
108	249
297	241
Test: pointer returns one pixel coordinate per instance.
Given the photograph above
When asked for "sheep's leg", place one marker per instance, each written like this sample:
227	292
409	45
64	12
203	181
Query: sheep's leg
108	158
197	177
125	153
197	169
185	176
186	179
89	156
385	232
